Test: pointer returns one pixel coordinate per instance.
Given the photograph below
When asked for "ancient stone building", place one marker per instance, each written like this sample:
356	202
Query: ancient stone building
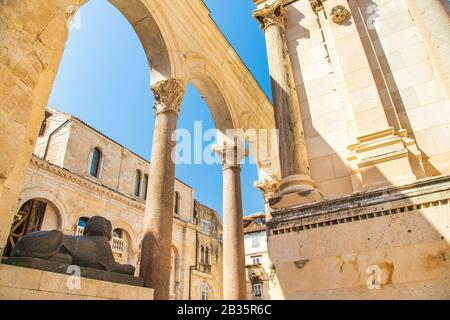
77	172
357	187
257	260
361	89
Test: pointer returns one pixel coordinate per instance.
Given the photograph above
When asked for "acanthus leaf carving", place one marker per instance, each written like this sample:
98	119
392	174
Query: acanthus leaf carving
168	95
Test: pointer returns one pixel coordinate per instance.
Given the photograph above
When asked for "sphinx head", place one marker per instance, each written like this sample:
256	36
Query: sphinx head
98	226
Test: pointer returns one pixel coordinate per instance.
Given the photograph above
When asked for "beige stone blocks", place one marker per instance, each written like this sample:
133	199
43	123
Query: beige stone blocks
29	284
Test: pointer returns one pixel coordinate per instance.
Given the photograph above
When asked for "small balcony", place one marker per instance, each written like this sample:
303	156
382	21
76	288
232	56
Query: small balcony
118	245
206	268
255	272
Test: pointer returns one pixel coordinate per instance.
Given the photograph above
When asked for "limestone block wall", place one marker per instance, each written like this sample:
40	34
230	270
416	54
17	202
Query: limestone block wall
401	245
29	284
70	197
337	94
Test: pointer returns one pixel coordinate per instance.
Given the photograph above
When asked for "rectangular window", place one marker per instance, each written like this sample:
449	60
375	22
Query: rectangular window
205	227
255	240
257	260
257	290
204	292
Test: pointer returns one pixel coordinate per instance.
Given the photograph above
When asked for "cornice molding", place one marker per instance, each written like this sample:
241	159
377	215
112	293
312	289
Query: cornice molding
86	183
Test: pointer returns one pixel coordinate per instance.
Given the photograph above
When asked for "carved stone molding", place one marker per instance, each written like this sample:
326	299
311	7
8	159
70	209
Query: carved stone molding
268	187
316	5
275	14
339	14
168	95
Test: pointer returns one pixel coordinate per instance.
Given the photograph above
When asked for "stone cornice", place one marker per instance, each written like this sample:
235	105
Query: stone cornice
86	183
363	205
269	15
168	95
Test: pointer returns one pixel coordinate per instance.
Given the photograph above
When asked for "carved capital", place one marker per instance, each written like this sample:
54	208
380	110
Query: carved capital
316	5
339	14
231	154
168	95
269	188
275	14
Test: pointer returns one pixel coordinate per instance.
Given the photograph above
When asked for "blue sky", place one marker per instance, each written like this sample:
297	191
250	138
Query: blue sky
104	80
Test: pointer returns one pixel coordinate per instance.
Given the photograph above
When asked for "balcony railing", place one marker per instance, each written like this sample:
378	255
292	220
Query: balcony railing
79	231
255	272
206	268
118	245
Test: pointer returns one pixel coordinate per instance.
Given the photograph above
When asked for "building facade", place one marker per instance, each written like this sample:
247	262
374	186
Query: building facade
256	257
77	173
358	203
362	92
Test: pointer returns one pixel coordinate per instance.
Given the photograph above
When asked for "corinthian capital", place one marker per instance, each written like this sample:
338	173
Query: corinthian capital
268	187
168	95
273	14
231	154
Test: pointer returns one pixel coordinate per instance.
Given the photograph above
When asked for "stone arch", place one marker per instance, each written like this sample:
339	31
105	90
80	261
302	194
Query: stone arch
126	254
204	81
154	33
33	46
120	224
43	194
175	273
227	112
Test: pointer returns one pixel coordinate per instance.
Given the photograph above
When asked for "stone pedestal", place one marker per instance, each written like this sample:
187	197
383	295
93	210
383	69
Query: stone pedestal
18	283
294	163
158	219
234	272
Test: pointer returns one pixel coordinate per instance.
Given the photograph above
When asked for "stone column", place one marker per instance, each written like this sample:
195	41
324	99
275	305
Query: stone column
269	189
294	163
158	219
234	272
434	24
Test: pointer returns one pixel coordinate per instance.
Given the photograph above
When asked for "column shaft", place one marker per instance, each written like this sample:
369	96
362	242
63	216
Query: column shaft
158	219
233	236
294	162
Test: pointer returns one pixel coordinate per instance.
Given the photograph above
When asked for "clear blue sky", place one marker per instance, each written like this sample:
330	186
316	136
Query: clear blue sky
104	80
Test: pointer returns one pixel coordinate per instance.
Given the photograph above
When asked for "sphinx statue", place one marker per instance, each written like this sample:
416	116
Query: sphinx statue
92	250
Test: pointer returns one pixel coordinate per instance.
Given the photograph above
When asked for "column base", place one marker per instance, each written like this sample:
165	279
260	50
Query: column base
295	190
383	159
296	183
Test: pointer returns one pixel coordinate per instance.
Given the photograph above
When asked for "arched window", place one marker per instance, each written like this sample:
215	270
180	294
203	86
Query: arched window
177	203
202	255
95	163
207	256
145	187
137	183
81	225
118	233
